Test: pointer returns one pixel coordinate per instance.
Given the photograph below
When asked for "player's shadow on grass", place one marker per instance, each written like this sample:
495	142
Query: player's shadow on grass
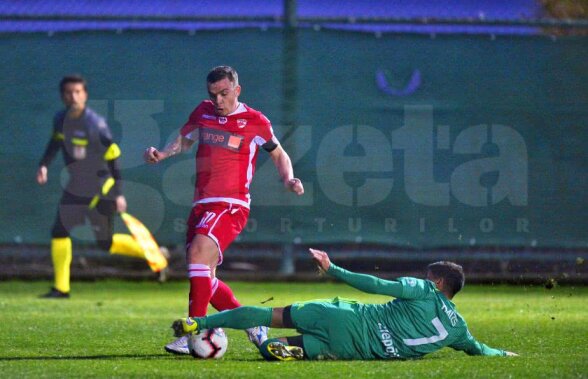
88	357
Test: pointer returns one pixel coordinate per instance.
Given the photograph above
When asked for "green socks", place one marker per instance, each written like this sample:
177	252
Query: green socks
238	318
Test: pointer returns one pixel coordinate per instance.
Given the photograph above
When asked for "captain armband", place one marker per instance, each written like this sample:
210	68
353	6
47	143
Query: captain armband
270	145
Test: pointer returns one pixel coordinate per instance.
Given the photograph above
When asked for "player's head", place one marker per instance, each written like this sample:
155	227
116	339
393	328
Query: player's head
73	91
223	87
448	275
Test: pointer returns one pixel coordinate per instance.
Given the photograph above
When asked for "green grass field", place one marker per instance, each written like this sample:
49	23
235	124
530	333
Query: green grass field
118	329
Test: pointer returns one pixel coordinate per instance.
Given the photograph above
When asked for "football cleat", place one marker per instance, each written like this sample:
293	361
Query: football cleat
283	352
179	346
185	326
257	335
54	293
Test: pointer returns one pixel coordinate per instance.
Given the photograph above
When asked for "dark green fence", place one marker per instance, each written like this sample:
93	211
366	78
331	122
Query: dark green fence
404	140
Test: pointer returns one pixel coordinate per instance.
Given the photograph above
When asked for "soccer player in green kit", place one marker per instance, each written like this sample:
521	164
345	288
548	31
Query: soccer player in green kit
421	320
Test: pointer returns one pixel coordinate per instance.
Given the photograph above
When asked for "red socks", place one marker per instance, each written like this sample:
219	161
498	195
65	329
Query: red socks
200	289
222	296
204	290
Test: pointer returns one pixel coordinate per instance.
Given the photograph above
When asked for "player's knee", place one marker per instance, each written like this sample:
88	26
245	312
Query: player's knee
202	251
203	258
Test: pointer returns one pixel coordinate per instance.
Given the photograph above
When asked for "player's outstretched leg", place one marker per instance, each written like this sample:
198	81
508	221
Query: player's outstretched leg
275	349
238	318
223	299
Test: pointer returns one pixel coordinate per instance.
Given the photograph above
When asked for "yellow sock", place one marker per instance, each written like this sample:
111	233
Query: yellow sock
125	244
61	256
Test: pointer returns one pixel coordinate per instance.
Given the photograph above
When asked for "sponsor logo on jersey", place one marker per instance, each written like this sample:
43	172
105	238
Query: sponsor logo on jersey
386	338
221	138
235	142
241	123
411	282
208	117
222	120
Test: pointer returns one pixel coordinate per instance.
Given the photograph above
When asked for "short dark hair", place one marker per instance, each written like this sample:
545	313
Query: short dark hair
221	72
74	78
451	273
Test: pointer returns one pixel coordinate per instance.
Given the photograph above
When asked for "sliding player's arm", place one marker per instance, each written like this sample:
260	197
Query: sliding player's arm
178	145
471	346
362	282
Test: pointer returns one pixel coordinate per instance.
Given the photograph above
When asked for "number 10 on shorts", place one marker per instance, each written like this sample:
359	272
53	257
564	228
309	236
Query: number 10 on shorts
206	218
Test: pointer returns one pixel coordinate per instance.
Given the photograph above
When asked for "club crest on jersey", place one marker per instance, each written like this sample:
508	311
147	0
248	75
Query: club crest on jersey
222	120
241	123
220	138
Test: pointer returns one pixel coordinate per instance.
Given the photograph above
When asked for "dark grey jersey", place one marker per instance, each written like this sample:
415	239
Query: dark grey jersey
88	152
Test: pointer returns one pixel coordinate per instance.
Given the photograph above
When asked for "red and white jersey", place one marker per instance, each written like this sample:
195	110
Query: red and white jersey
227	151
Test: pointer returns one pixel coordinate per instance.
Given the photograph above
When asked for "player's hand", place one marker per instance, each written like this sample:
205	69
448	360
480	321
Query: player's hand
42	175
321	259
152	155
121	204
511	354
295	185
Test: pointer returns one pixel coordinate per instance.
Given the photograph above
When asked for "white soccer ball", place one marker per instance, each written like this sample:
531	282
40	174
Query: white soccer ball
209	343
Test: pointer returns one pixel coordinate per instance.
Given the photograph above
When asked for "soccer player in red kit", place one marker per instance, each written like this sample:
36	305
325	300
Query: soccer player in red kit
229	135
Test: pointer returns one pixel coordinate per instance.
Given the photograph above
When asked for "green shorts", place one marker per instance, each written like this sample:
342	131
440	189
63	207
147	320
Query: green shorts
331	329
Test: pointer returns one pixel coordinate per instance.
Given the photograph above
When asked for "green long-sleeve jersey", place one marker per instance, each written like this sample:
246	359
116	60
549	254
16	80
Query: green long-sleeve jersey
421	319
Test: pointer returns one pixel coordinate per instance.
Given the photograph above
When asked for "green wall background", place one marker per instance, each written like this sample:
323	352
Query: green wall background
489	150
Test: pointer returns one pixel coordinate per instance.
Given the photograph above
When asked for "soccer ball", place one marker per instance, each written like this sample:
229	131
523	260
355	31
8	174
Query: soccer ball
209	343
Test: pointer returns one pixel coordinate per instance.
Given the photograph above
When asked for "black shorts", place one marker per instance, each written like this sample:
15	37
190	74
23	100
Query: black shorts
74	210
